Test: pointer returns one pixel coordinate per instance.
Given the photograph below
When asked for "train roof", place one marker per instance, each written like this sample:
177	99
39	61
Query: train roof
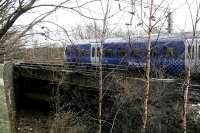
155	37
115	40
82	42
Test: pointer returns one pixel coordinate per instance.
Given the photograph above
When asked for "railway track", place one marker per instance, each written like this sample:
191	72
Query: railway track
86	68
91	69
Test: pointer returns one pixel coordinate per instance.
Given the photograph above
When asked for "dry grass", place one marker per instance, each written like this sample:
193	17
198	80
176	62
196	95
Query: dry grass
67	122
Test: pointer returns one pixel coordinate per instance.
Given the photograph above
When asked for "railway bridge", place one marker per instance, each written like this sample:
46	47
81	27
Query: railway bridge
44	86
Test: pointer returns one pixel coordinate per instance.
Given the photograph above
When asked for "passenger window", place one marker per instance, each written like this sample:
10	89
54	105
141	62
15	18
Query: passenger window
155	53
121	52
108	52
93	52
170	53
69	51
174	53
136	53
83	52
165	53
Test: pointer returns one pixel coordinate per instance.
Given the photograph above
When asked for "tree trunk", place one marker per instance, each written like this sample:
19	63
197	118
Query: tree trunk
187	86
147	73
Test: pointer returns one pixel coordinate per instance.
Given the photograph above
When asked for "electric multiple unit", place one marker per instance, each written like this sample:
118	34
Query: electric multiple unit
168	54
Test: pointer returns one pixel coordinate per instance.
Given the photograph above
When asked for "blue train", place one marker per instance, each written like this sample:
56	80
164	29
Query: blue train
168	54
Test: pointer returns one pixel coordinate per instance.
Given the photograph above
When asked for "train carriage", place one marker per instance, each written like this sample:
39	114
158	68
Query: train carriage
169	55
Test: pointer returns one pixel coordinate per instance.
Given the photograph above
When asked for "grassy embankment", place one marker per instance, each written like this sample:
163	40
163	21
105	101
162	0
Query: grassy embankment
4	125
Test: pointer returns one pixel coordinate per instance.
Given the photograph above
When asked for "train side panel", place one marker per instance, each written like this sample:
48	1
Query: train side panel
77	53
110	51
172	59
84	53
115	53
137	54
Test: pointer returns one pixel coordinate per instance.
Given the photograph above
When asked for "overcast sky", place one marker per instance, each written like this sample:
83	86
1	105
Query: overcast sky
120	12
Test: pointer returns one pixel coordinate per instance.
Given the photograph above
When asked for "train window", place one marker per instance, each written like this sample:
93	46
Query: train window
136	53
165	54
155	53
170	53
108	52
173	52
66	51
93	52
192	51
83	52
121	52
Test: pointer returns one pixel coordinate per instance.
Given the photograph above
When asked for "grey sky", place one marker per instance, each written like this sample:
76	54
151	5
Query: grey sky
121	9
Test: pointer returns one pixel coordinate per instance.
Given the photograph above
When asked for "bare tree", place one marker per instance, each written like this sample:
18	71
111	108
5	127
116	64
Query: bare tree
100	68
12	10
147	72
10	13
195	20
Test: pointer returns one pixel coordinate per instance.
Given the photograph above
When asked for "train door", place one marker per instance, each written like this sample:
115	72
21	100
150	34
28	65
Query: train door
189	45
94	53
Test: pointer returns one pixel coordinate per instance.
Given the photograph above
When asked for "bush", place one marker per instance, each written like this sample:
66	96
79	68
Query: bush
69	122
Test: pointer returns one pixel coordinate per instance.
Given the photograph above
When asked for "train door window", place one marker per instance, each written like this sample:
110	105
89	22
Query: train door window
93	52
98	51
136	53
199	52
108	52
121	52
191	51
